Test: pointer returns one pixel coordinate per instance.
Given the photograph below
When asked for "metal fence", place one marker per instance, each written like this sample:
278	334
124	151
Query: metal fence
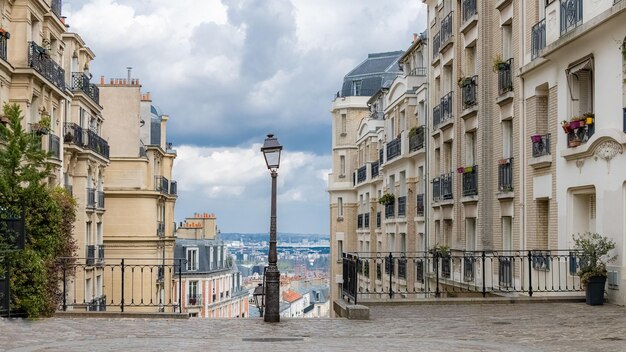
541	145
459	273
571	15
505	81
394	148
538	38
469	87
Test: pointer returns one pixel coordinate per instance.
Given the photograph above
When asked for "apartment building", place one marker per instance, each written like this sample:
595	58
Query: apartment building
140	194
348	109
211	283
574	93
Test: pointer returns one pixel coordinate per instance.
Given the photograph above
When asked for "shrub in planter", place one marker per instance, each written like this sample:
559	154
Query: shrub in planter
594	256
386	199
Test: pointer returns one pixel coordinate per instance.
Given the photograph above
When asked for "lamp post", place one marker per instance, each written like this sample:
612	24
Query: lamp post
271	151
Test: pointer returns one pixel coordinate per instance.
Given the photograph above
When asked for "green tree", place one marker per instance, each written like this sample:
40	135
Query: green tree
49	218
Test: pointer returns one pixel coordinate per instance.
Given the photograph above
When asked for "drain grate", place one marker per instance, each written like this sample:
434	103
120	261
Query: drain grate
501	322
612	338
272	339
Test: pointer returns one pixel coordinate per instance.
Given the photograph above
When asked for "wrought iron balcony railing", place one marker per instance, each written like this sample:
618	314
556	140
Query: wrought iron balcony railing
361	174
160	228
91	198
394	148
91	255
436	189
541	145
505	175
80	82
173	187
469	87
100	200
366	220
416	139
161	184
446	29
469	9
359	221
194	299
538	38
39	59
3	46
97	144
436	116
73	134
390	211
436	44
446	186
100	254
505	83
56	7
402	206
571	15
54	146
470	182
375	168
447	112
418	71
420	204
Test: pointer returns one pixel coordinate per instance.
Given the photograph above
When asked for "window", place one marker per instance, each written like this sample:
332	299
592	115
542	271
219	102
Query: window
507	139
343	123
192	259
339	250
507	240
507	35
356	87
192	291
580	81
470	148
340	207
402	121
342	165
470	234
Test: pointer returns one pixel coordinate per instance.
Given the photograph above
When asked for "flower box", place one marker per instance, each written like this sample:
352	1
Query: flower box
536	138
574	124
460	170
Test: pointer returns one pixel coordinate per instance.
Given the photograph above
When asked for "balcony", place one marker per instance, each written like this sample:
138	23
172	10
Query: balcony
39	59
390	211
80	82
54	146
97	144
470	181
361	174
359	221
3	46
100	200
366	220
446	29
505	83
161	184
541	145
416	139
173	188
446	186
579	135
56	8
538	38
91	198
420	204
73	134
469	9
194	299
394	148
436	116
402	206
100	259
375	168
571	15
418	71
505	175
161	228
378	220
436	189
447	113
469	87
436	45
91	255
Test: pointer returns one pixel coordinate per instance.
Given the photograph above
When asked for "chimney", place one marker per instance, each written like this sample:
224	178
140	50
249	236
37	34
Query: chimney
414	37
129	71
102	80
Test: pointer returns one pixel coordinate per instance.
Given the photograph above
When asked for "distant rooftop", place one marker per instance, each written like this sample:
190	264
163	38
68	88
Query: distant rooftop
371	74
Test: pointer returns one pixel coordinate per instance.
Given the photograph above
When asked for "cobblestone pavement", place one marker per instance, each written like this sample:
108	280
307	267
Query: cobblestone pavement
478	327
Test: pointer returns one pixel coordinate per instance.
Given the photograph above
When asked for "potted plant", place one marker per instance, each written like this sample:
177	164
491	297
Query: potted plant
535	138
460	170
566	126
464	81
440	250
43	126
386	199
594	255
499	64
589	118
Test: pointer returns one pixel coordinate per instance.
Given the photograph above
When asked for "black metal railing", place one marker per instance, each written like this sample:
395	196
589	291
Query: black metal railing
447	112
505	82
194	299
469	87
91	255
538	38
446	29
505	175
402	206
470	181
173	187
55	6
420	204
98	304
161	184
54	146
3	46
80	82
571	15
469	9
390	210
359	221
160	228
541	145
375	168
436	116
380	156
418	71
416	139
436	189
378	220
73	134
394	148
446	186
129	284
100	258
39	59
100	200
91	197
97	144
436	44
366	220
580	135
458	271
361	174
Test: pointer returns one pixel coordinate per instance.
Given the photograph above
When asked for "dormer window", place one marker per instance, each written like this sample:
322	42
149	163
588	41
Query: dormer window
356	88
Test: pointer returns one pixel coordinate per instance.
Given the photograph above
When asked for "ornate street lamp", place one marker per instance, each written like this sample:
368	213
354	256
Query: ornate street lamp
258	296
271	151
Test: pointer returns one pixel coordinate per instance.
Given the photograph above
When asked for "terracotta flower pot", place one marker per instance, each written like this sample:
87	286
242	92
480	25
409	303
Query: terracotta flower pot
566	127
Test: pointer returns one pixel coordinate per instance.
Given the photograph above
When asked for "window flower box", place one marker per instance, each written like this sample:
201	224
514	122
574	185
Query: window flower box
535	138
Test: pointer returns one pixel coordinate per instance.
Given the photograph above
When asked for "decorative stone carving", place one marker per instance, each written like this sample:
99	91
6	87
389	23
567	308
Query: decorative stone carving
607	150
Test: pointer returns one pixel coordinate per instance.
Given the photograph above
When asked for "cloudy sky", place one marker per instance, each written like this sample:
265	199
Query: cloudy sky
230	71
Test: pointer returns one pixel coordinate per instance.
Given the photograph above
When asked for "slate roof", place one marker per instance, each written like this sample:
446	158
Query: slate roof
373	72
